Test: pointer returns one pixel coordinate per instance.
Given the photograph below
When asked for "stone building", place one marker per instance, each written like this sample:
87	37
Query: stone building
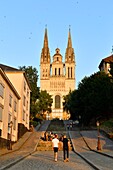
20	82
57	77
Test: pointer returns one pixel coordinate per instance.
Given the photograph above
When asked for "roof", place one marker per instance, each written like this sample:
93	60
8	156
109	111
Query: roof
9	83
106	60
6	68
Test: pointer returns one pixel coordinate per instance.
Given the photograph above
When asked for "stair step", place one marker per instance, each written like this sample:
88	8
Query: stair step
47	146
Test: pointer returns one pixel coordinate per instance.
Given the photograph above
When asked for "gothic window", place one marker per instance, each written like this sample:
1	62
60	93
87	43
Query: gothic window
57	58
55	71
68	72
71	72
57	101
59	71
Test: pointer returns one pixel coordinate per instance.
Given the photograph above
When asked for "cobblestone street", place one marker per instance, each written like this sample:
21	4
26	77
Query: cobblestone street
43	160
25	155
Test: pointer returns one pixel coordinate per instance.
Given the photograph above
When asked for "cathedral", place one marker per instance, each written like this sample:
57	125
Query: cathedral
57	77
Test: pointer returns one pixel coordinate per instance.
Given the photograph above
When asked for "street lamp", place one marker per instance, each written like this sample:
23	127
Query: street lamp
98	142
10	143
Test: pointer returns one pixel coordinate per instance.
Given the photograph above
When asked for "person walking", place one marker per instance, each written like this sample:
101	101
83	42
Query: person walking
55	143
65	149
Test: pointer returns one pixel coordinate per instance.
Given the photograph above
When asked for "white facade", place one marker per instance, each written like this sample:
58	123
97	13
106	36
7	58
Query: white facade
20	82
9	107
57	77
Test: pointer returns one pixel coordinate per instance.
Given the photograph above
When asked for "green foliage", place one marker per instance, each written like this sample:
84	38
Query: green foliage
32	76
92	100
44	102
56	125
108	123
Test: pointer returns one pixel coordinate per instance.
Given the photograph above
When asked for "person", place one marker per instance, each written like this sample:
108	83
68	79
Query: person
55	143
65	149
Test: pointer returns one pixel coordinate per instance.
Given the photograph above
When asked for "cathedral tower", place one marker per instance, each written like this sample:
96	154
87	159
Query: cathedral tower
57	77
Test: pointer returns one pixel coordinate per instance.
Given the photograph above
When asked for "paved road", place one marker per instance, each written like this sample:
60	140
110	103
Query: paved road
28	147
43	160
100	161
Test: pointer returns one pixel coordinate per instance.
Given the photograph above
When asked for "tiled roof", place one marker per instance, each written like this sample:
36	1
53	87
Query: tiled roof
106	60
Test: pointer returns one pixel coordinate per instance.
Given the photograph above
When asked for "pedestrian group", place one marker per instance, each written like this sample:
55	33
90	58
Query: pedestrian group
55	145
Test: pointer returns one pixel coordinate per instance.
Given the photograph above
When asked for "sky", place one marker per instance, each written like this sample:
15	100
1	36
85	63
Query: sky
22	27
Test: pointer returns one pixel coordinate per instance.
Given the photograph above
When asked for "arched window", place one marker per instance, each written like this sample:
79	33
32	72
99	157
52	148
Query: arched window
57	101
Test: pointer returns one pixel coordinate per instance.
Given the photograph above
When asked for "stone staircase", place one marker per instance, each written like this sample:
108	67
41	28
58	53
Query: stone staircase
47	146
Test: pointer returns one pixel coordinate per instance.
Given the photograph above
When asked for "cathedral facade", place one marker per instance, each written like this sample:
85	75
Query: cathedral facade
57	77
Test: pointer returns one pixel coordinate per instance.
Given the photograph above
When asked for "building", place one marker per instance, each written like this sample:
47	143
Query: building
105	64
57	77
9	108
20	82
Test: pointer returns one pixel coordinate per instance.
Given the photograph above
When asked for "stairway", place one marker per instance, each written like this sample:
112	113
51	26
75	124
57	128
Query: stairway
47	146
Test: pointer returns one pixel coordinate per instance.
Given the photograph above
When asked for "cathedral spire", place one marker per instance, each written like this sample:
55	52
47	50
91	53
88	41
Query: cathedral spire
45	55
45	39
69	39
69	55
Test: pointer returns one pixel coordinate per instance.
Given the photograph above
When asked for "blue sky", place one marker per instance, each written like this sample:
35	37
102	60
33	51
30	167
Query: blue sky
22	26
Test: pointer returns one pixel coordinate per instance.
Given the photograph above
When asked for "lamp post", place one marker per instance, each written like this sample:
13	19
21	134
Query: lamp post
10	143
98	142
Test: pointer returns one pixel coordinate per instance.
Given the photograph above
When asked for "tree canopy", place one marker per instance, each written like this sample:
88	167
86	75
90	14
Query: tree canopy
44	102
32	75
92	100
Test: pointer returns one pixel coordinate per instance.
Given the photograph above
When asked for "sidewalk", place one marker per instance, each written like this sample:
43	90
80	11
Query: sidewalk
91	139
19	143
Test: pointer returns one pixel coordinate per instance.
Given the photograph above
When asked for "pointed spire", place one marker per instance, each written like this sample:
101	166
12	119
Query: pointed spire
45	54
45	38
69	55
69	39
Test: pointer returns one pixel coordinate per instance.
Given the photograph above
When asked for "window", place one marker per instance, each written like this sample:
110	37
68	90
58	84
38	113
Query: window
24	115
15	106
59	71
14	124
10	101
27	106
1	90
1	111
71	72
24	100
57	101
55	71
27	93
24	86
9	118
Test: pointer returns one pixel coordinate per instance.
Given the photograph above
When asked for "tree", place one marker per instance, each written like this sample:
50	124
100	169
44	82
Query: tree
32	75
44	102
93	99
